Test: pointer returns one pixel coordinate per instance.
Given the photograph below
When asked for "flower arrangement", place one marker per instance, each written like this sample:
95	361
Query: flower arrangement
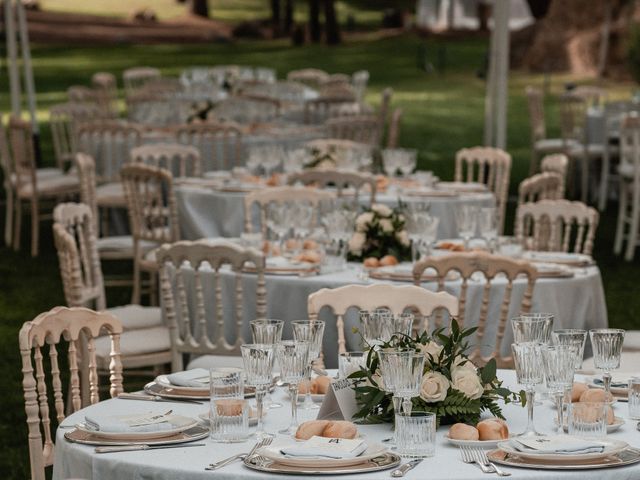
380	231
452	386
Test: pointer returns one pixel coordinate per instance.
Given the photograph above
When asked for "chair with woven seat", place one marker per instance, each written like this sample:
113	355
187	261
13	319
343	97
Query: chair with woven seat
360	182
628	223
31	187
180	160
489	166
396	298
195	328
492	267
540	144
48	330
220	145
556	163
548	225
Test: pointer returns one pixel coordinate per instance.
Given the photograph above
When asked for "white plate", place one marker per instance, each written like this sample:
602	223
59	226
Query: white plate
273	453
611	447
163	380
558	257
180	423
473	443
614	427
463	187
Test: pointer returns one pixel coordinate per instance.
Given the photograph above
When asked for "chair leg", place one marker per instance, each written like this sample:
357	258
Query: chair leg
153	288
135	296
622	213
35	224
584	179
604	183
632	238
17	228
8	221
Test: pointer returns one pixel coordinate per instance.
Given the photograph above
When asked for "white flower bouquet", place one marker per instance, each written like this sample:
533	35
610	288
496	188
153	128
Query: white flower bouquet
380	231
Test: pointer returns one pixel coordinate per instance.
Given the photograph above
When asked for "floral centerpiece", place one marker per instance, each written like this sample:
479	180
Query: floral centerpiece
452	387
380	231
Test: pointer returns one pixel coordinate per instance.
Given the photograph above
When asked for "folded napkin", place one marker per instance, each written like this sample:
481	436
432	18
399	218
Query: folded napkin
198	378
279	262
321	447
559	444
616	382
148	422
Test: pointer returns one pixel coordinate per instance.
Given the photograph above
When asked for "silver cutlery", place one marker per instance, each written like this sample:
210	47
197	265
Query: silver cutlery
403	469
481	457
241	456
156	398
144	446
467	457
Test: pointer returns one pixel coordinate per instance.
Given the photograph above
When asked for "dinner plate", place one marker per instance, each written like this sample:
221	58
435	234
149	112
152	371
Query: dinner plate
473	443
577	259
614	427
273	453
628	456
611	447
462	187
192	434
163	380
553	270
153	388
179	424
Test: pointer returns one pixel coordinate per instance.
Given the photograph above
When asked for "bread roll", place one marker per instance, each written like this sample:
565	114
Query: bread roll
310	245
321	384
595	395
306	430
388	260
462	431
304	387
611	418
492	430
229	407
371	262
577	390
340	429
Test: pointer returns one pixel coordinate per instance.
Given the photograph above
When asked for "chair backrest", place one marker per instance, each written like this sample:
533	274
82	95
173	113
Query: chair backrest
136	78
394	128
22	153
86	168
395	298
573	114
151	203
190	329
311	77
547	225
82	94
556	163
50	328
541	186
338	89
109	144
245	109
180	160
321	109
75	240
490	166
106	85
220	145
287	194
339	179
466	264
630	148
358	128
535	106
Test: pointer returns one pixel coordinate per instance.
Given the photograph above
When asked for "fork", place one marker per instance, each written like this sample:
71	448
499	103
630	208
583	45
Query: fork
241	456
481	458
468	457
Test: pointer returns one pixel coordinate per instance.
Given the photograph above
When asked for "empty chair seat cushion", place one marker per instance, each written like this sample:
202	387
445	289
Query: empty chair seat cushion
122	244
111	194
133	342
211	361
134	317
626	170
42	173
53	183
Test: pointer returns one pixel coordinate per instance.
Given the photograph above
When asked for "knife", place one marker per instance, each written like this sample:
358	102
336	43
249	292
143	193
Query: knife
156	398
144	446
400	471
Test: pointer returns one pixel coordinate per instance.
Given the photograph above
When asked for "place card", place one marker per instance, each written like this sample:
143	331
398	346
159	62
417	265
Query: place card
340	401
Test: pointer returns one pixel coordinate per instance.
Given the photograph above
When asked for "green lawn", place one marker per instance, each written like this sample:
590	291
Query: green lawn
442	113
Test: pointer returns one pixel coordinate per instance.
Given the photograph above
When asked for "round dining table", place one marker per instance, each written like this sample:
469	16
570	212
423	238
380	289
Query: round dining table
73	460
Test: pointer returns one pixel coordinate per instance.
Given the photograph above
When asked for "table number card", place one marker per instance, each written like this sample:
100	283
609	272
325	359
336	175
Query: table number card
340	401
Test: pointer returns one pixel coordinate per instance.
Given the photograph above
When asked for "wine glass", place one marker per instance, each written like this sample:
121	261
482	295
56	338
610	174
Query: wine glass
293	358
559	368
302	219
532	327
258	365
421	227
268	332
571	336
310	331
488	226
407	161
404	370
466	218
527	358
339	224
279	221
390	162
607	348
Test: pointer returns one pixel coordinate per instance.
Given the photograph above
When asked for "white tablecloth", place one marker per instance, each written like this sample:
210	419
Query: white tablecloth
80	461
204	212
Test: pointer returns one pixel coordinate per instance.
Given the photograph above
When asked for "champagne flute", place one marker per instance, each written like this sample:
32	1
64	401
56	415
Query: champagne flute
258	365
527	358
559	368
268	332
293	358
310	331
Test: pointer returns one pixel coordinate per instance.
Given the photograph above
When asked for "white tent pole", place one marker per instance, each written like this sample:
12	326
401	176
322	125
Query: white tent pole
12	57
502	68
489	101
26	63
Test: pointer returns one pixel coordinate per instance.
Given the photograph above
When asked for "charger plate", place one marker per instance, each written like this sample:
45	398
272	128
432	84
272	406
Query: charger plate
628	456
194	433
611	447
153	388
383	462
179	423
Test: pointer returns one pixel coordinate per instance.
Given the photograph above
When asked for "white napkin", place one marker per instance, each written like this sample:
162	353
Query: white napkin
621	381
321	447
558	444
147	422
198	377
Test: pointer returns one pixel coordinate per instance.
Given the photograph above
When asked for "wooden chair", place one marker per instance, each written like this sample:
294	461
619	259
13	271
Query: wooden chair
547	226
50	329
136	78
106	84
357	128
614	115
180	160
396	298
540	144
194	329
490	166
220	145
31	187
145	341
321	109
466	264
339	179
556	163
153	216
541	186
394	128
286	194
311	77
629	206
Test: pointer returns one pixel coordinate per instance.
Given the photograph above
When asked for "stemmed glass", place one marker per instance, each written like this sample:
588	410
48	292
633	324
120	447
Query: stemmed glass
402	159
380	325
339	225
279	221
466	218
293	358
532	327
559	368
258	365
311	332
421	227
607	347
574	337
527	357
267	332
302	219
488	225
404	370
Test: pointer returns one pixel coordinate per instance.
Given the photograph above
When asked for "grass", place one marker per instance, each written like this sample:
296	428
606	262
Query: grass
442	113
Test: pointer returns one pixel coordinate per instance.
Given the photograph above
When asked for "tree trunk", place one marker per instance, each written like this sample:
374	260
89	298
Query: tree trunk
288	16
275	17
314	20
332	28
200	8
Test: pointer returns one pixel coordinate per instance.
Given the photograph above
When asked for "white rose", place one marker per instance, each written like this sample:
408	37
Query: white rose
386	225
461	362
433	387
403	237
381	210
467	382
432	348
357	242
363	220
